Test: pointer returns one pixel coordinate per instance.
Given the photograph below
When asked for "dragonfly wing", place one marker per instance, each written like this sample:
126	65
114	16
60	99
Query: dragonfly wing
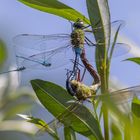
114	26
123	95
119	49
50	59
29	44
63	118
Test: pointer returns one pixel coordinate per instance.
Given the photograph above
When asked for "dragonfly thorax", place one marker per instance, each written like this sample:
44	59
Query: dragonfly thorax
77	38
82	91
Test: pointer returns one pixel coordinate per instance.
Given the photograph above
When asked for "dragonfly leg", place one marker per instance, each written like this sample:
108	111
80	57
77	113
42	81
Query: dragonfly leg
83	75
89	42
73	82
73	75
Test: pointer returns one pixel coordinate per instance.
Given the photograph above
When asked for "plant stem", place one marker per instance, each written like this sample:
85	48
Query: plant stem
104	88
106	126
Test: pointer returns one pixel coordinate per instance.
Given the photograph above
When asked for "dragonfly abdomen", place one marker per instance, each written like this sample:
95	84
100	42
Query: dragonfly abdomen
90	68
82	91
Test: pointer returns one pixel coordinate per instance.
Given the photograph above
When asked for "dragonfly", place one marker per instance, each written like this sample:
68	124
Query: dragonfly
75	108
83	93
73	81
52	51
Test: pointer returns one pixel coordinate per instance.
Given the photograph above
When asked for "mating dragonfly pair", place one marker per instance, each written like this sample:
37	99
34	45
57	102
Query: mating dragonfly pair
73	82
46	55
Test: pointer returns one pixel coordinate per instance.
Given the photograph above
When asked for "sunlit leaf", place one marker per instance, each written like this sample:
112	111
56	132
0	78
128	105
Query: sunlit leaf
3	53
56	100
134	59
114	42
56	8
99	15
135	107
116	133
39	123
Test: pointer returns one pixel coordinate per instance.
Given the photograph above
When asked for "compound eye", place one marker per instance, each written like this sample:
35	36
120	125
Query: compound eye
74	87
81	22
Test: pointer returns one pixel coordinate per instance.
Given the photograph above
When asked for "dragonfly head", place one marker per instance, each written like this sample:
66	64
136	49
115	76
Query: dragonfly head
74	84
78	24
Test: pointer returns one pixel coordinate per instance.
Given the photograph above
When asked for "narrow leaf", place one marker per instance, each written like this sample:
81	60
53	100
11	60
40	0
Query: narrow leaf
116	133
134	59
114	42
99	15
56	100
136	106
41	123
56	8
3	53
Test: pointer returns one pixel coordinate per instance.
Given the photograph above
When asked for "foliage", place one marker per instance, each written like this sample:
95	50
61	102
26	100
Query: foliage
55	7
3	52
56	99
134	59
12	101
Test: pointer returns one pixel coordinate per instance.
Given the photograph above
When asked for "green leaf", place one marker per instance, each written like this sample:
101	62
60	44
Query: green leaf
114	42
56	8
135	107
3	53
99	16
56	100
69	134
110	53
116	133
39	123
134	59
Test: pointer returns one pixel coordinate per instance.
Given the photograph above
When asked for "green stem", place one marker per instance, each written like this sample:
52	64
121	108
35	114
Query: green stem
104	89
106	123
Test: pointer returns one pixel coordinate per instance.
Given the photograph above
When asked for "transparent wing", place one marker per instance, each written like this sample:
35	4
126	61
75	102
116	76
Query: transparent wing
46	60
59	57
118	97
49	59
29	44
114	26
62	119
123	95
119	49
